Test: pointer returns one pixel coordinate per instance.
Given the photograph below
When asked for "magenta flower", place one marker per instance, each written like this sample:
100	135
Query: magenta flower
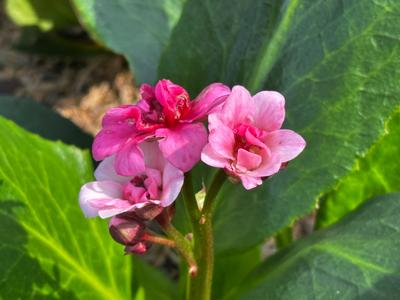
245	137
165	113
157	185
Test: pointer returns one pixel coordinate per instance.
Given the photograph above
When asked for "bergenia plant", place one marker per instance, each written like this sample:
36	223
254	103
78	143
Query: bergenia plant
145	149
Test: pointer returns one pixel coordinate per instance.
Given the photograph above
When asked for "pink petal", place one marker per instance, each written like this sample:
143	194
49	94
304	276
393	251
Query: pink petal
129	160
153	156
168	93
127	114
270	165
182	145
222	140
97	191
208	101
106	171
238	107
286	143
109	140
210	157
250	182
172	184
247	160
147	92
269	112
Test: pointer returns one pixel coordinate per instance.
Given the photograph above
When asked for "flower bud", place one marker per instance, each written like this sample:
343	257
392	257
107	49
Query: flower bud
138	248
126	230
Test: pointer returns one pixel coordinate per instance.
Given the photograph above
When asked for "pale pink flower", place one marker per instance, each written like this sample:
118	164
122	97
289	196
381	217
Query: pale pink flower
245	137
165	113
157	185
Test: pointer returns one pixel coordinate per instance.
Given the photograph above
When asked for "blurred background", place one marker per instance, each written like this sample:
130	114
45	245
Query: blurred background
51	60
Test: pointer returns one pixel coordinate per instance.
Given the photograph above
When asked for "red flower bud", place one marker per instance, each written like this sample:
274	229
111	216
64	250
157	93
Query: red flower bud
126	230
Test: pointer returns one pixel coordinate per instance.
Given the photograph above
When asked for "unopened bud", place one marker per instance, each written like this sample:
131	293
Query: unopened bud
125	230
138	248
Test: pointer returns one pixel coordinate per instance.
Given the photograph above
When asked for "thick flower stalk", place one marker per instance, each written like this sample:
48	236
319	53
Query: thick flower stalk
246	139
164	113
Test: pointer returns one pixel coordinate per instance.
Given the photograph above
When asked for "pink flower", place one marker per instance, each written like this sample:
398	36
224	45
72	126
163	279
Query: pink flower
157	185
245	137
165	113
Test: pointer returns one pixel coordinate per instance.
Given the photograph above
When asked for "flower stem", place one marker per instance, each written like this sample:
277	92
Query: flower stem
182	245
201	286
159	240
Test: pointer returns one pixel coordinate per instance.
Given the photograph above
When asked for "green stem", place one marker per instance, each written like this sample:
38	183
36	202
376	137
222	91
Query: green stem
182	245
201	285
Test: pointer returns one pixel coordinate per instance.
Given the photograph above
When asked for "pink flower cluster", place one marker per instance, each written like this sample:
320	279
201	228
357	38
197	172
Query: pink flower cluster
146	148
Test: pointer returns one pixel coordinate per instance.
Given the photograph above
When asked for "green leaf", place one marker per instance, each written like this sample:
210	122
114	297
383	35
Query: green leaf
42	13
375	174
137	29
357	258
337	64
151	283
47	247
230	270
39	119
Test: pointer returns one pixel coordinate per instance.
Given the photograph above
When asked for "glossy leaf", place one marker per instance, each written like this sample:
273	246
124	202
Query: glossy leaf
137	29
336	62
357	258
47	247
375	174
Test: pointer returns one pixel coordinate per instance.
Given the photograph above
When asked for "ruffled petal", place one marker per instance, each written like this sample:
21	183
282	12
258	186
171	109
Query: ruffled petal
172	184
269	112
208	101
247	160
106	171
182	145
210	157
285	143
129	160
100	191
238	107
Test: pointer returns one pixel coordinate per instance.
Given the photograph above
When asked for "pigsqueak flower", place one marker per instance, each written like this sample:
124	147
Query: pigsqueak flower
164	113
246	138
157	186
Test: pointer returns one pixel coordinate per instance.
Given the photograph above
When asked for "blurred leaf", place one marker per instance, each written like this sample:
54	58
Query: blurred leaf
152	284
47	247
137	29
357	258
58	43
339	75
41	120
42	13
375	174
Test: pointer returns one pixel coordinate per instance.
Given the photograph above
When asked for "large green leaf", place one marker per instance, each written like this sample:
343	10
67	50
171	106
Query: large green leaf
357	258
47	247
39	119
41	13
336	62
137	29
375	174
